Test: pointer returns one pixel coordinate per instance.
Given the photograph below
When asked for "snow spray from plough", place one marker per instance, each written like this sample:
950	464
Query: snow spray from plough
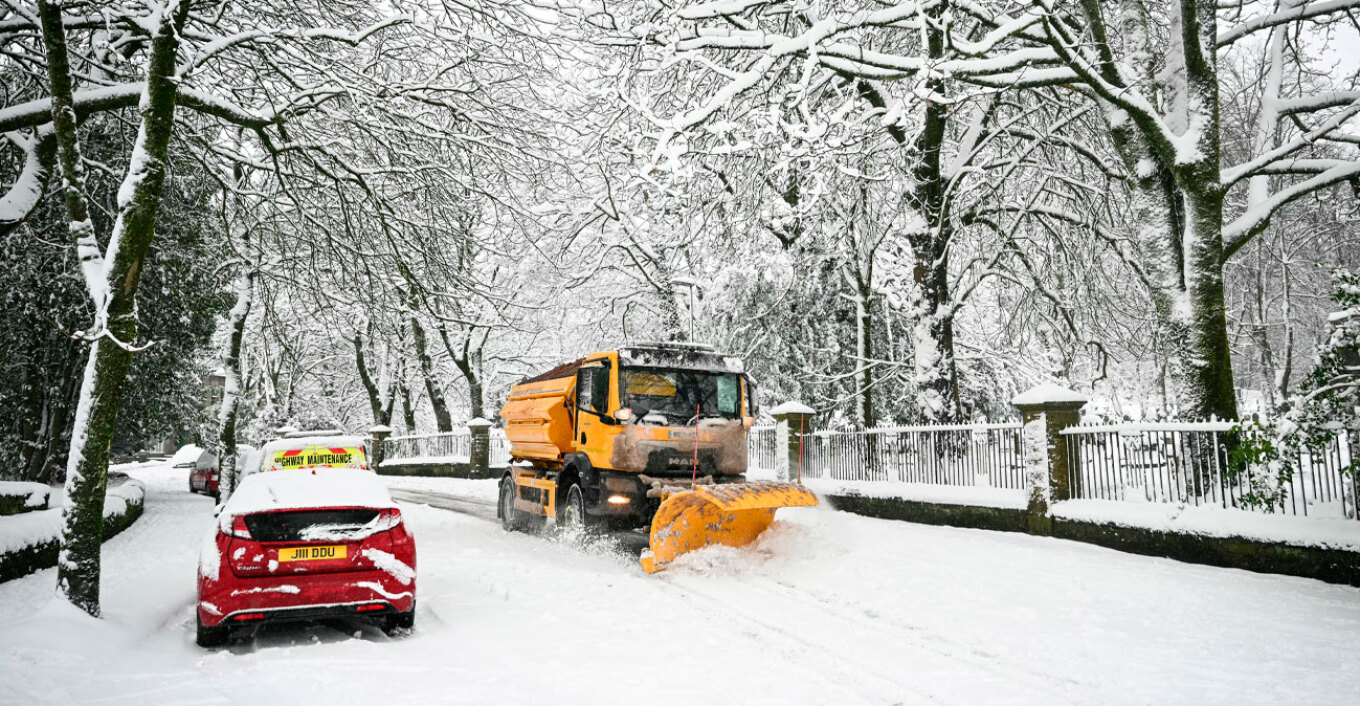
651	435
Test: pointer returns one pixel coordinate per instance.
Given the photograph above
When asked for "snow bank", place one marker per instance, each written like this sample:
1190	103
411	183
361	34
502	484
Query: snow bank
19	496
29	542
326	487
1214	521
22	531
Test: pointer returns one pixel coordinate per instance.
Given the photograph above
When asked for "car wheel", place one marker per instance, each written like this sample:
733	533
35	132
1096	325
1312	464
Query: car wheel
211	637
400	621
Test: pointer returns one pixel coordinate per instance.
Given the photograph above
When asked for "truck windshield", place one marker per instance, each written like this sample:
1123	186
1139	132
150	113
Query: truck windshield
680	394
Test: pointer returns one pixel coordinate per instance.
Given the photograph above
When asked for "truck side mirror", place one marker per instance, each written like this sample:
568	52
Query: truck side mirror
624	415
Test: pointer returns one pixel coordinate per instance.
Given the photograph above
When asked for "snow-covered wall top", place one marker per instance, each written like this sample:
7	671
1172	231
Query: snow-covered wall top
1048	392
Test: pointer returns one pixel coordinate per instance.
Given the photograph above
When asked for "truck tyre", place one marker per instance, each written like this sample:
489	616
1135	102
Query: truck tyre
511	519
572	516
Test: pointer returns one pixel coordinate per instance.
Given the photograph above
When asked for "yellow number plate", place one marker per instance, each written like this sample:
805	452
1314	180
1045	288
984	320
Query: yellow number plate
312	553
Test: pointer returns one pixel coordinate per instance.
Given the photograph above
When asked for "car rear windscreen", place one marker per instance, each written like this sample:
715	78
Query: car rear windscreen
310	525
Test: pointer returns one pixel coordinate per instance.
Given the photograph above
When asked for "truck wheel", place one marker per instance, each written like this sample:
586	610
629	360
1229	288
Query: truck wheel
511	519
572	515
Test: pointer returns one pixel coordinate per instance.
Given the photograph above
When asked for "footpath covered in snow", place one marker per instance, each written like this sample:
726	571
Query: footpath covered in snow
828	608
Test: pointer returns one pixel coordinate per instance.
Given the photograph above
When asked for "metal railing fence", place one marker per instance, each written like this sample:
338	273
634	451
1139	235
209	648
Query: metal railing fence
981	455
1192	463
451	447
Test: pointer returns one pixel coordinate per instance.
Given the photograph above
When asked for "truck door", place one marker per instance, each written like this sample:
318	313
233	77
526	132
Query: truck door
592	412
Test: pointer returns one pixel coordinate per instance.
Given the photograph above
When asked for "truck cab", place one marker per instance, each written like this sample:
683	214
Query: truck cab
625	425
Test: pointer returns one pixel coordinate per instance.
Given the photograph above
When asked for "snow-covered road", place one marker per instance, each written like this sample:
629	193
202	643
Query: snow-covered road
828	608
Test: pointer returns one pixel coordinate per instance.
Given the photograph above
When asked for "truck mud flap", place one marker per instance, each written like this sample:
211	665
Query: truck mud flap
733	514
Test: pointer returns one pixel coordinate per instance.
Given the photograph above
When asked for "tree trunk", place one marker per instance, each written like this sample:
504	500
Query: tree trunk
110	355
1210	391
469	363
936	372
864	349
375	404
441	409
408	412
231	389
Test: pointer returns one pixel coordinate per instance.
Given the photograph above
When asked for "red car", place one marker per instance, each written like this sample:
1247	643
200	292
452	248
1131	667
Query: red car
306	545
204	473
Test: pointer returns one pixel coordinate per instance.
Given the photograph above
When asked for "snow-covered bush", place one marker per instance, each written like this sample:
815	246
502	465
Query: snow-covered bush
1324	413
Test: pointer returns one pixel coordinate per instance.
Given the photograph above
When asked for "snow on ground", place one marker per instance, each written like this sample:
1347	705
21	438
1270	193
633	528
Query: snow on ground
481	489
828	608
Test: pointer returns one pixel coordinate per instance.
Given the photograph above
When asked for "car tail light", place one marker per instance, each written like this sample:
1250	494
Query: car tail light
234	526
249	616
370	607
390	521
387	519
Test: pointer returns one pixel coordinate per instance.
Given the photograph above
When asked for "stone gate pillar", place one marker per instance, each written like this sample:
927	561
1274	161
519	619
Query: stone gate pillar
1046	410
792	421
378	434
479	448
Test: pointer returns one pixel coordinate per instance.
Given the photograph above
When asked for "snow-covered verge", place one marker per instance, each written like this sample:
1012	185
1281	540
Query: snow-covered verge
29	542
920	492
484	489
1214	521
1204	520
18	497
827	608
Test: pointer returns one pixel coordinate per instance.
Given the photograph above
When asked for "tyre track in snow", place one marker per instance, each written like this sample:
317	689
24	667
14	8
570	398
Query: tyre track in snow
888	635
859	655
898	632
443	501
821	662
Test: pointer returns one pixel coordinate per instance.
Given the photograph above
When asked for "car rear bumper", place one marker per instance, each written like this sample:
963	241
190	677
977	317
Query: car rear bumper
237	601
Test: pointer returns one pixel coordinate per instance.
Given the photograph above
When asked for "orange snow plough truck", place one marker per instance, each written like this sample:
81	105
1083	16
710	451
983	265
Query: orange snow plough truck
653	434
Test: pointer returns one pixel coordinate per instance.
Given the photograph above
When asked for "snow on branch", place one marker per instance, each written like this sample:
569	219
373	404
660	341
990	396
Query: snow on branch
38	112
1302	11
1246	226
26	192
1242	171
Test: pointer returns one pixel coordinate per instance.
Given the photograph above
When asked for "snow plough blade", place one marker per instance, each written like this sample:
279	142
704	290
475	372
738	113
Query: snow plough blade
733	514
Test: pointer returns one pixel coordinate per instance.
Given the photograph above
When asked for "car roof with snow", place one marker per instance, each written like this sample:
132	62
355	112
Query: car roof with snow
305	488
